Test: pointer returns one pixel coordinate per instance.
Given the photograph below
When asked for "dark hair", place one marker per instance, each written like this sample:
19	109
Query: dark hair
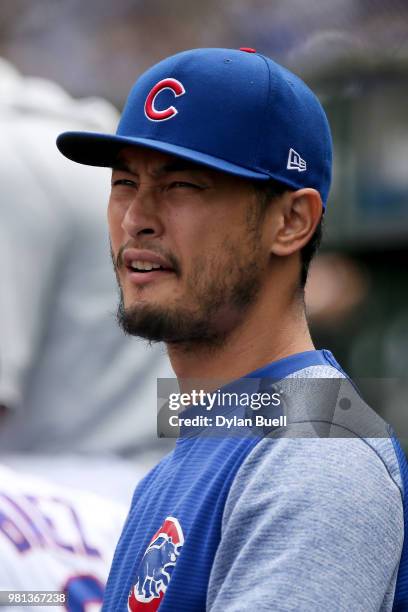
270	190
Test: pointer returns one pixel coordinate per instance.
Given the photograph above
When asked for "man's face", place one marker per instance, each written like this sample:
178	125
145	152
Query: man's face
203	228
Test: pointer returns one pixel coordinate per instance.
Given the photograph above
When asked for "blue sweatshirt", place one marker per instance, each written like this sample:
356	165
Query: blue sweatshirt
286	523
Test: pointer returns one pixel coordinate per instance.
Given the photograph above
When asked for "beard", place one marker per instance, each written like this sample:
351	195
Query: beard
219	291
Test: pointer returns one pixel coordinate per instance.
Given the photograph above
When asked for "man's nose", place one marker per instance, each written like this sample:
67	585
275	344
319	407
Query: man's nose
143	213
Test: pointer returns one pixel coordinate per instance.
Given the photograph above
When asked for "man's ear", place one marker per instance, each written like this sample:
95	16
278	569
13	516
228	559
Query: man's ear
300	214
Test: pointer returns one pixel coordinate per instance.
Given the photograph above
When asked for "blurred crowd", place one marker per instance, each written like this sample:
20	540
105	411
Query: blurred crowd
99	47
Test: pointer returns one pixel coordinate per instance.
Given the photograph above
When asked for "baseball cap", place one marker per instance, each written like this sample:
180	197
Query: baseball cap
233	110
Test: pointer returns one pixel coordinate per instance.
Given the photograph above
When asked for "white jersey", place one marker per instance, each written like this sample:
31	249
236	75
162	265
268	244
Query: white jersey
56	539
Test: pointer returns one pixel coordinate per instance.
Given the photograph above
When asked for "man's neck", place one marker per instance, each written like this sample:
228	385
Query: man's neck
267	334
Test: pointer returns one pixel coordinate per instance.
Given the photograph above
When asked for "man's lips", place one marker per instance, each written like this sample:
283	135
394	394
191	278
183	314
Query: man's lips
135	260
130	256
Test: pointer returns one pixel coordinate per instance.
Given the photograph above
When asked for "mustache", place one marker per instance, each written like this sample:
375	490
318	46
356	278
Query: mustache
118	262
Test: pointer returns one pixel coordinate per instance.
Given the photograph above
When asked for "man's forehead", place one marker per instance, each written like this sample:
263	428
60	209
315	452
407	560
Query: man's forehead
142	159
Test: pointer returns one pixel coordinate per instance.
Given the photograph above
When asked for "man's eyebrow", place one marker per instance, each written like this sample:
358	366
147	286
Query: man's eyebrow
177	165
120	164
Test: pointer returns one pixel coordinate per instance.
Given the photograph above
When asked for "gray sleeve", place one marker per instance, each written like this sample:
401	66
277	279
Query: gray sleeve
33	232
309	524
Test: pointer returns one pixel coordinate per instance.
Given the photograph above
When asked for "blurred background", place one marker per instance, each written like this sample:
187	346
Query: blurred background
354	53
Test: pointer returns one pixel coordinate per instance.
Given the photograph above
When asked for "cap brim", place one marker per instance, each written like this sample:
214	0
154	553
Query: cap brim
93	149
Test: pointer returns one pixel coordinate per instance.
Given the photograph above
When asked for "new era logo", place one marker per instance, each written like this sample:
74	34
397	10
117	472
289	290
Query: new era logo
295	162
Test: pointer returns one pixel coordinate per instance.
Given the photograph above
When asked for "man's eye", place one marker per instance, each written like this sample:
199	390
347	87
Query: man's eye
183	185
126	182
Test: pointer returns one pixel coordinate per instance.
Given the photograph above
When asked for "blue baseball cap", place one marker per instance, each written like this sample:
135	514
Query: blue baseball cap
233	110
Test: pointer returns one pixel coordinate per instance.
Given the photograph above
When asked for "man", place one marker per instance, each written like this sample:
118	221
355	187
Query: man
58	299
57	295
221	171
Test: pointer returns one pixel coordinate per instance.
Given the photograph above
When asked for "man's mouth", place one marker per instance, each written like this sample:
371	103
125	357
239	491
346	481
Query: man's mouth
145	266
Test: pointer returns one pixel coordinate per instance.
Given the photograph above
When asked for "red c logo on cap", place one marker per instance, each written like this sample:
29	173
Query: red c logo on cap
162	115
